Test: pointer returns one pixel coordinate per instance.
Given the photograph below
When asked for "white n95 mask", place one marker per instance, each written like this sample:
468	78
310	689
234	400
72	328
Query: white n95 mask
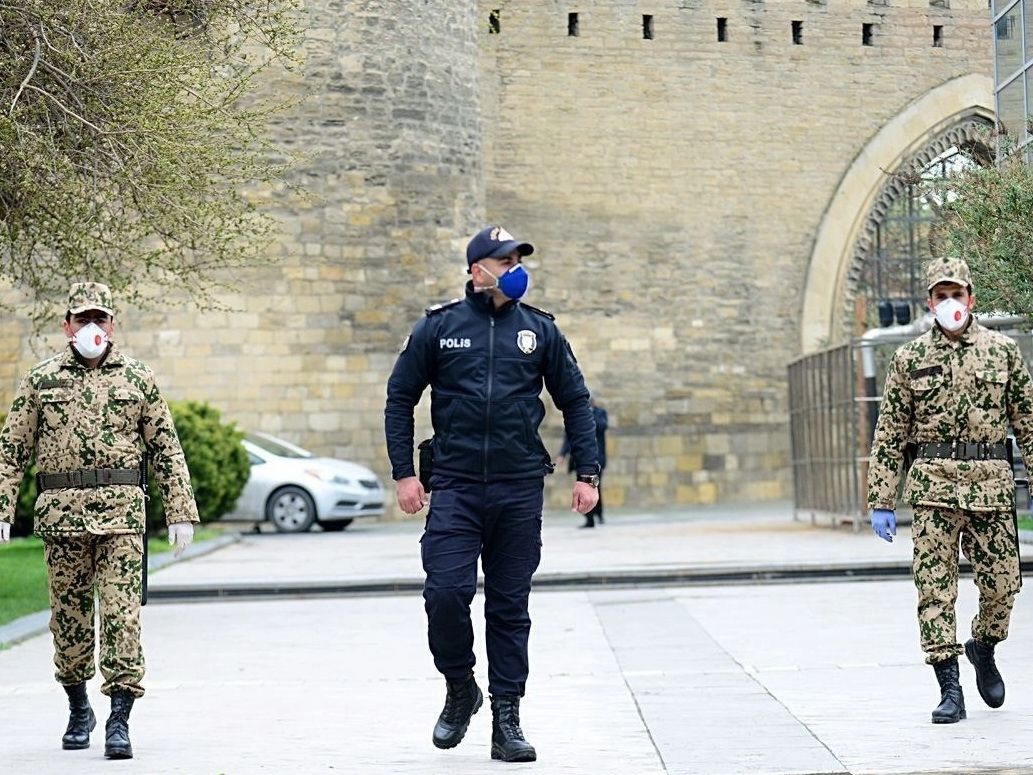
951	314
90	341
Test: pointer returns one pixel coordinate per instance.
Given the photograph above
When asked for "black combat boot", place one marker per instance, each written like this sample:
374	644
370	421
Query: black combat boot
507	739
462	700
116	744
81	720
952	702
988	678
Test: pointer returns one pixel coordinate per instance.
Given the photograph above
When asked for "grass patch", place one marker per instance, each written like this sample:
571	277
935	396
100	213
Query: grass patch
1026	524
23	579
23	573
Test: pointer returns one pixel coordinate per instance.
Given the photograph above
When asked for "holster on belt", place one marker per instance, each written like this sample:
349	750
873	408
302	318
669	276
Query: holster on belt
1014	507
910	455
426	448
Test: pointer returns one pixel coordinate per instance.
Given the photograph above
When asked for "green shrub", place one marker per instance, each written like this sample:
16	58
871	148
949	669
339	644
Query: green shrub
217	461
26	498
218	464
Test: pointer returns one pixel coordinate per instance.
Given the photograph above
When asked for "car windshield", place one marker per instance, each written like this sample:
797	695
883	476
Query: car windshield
276	448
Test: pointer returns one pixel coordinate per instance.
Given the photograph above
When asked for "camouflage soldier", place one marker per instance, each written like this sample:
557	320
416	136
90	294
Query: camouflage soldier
953	393
87	414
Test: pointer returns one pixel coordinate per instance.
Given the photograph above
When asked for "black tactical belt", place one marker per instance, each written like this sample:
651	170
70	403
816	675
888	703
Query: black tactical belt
964	450
88	477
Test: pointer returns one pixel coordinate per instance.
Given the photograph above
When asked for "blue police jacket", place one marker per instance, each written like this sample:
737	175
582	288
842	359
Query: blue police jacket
486	368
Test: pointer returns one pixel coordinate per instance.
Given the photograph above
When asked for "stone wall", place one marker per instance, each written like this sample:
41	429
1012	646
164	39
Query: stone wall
673	187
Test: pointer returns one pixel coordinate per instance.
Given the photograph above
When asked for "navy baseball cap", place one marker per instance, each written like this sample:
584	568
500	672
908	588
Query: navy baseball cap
494	242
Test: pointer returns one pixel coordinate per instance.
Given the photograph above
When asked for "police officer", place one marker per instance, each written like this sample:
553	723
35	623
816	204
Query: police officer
486	357
86	414
602	422
953	392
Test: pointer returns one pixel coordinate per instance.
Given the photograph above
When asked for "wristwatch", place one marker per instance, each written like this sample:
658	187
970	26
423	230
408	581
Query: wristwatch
592	479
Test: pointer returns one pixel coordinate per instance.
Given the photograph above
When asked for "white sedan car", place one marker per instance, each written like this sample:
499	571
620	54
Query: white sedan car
294	489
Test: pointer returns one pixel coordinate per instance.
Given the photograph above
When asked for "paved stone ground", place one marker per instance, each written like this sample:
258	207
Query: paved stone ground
747	680
789	679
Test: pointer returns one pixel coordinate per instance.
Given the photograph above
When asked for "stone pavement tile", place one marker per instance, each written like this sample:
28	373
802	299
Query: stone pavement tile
844	660
893	734
335	686
786	627
706	715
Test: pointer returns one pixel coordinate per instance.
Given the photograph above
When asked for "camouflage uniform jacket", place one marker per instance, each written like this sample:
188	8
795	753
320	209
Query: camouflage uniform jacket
938	390
74	417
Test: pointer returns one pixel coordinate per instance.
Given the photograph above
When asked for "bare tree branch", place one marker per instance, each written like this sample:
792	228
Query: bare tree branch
32	71
131	138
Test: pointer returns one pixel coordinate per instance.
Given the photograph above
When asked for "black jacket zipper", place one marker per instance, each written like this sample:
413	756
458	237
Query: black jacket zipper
487	403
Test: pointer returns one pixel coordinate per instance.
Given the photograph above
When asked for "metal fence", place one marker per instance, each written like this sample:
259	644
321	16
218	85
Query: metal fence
826	435
833	407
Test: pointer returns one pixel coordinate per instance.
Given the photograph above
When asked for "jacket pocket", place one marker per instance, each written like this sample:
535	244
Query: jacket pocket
123	409
511	449
990	388
56	408
929	397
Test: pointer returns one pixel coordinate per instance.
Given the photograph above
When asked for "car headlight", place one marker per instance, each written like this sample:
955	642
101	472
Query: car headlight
324	475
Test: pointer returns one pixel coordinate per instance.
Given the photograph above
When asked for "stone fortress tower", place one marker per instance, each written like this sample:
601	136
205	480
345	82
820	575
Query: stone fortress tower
701	180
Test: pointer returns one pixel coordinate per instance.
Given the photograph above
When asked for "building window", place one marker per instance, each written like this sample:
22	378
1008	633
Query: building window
647	26
1013	73
572	25
867	31
798	33
495	22
1008	44
722	30
937	36
1006	25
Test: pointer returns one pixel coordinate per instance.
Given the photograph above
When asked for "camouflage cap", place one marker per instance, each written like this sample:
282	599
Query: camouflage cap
84	296
947	270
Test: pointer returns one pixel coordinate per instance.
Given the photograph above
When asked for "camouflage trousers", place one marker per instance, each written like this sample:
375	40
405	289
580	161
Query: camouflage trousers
83	567
988	542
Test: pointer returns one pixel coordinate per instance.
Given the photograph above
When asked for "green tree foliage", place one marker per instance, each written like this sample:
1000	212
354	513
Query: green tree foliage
218	464
986	213
128	132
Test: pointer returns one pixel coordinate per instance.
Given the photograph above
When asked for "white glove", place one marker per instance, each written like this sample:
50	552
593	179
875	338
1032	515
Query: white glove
181	534
5	532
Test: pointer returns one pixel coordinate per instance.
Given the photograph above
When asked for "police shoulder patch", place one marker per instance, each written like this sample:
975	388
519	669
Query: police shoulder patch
433	310
542	312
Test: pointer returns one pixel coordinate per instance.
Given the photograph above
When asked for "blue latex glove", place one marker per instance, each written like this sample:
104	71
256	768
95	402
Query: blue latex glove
884	523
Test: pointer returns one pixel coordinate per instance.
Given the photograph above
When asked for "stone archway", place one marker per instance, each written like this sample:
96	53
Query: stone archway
949	114
894	243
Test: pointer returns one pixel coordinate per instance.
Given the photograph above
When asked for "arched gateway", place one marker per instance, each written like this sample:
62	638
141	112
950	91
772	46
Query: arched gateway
870	204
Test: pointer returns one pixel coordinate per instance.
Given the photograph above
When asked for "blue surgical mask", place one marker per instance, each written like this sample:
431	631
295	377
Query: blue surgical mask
514	282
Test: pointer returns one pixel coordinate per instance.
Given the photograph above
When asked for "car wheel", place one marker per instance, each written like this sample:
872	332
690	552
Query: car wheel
336	526
291	510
